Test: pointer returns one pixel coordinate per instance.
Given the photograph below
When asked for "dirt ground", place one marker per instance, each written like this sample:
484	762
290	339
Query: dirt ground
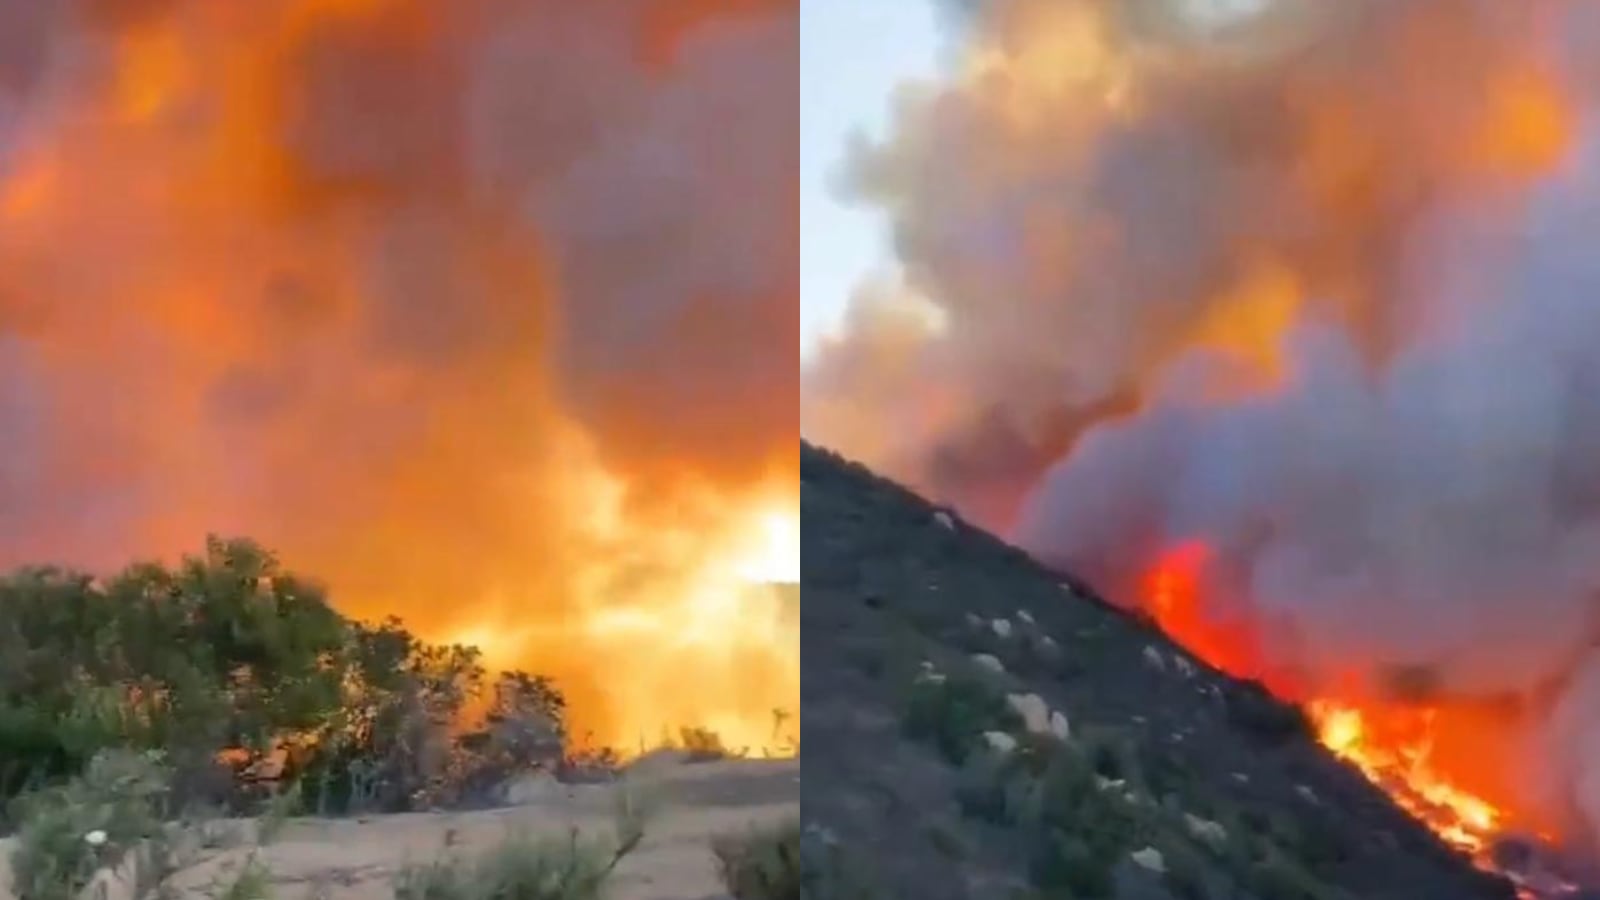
356	859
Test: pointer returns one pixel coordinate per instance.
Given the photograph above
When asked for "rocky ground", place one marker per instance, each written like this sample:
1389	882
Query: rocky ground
358	859
977	727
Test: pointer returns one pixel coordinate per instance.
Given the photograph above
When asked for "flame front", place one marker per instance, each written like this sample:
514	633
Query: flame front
479	310
1392	744
1398	759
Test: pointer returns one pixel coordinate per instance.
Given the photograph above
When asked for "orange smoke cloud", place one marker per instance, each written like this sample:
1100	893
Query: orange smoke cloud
478	310
1303	287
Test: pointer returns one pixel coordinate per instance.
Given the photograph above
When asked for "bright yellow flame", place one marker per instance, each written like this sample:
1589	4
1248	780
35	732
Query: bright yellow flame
1405	771
774	555
711	643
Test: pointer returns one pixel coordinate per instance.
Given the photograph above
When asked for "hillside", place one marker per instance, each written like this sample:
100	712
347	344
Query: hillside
933	774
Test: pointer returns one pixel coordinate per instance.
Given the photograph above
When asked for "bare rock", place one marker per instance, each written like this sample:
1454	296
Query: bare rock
1154	659
1206	831
990	662
1034	711
1059	726
1150	859
1000	742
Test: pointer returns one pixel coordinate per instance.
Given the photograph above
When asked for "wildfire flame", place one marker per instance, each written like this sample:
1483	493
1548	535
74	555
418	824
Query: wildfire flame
478	310
1402	766
1393	745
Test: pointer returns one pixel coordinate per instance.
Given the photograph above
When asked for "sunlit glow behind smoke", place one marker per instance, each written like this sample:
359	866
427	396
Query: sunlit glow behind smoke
478	310
1316	292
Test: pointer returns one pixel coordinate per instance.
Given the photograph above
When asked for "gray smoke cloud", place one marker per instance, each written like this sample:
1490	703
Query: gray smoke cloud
1415	483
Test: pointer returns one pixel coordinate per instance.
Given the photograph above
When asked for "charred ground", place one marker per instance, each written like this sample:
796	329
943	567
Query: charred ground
1225	783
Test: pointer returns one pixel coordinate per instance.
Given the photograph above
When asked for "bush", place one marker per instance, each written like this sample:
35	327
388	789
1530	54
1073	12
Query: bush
525	867
71	831
1064	861
702	745
1280	878
761	865
227	661
954	714
520	868
828	871
1185	875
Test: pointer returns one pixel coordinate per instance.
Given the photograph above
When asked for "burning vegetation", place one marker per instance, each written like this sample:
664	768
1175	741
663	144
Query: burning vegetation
1275	319
476	310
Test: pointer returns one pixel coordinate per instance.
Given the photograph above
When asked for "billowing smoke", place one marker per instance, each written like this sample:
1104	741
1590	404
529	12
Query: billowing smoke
478	309
1311	284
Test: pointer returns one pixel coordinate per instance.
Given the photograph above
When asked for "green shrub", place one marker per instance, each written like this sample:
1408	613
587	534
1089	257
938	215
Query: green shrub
527	867
1063	861
1280	878
519	868
226	658
761	865
70	831
954	713
829	872
1186	868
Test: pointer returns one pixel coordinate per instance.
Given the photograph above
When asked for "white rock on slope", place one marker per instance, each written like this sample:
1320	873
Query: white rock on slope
990	662
1206	831
1059	726
1149	858
1034	711
1000	742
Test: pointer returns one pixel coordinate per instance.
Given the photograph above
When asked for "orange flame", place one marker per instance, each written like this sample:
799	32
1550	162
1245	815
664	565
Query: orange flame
1398	757
1394	745
322	273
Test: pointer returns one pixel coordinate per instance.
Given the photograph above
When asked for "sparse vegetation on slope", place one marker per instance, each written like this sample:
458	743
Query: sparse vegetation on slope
1048	745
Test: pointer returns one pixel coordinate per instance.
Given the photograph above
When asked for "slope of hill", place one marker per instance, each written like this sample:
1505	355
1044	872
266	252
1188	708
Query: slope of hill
977	726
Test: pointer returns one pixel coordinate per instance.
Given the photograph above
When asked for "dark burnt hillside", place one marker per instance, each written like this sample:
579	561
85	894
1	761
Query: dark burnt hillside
933	775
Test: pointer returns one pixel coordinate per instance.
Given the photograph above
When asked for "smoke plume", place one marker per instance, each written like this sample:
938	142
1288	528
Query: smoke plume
477	309
1310	284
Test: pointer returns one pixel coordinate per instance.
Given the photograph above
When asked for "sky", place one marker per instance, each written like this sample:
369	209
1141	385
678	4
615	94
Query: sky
852	55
